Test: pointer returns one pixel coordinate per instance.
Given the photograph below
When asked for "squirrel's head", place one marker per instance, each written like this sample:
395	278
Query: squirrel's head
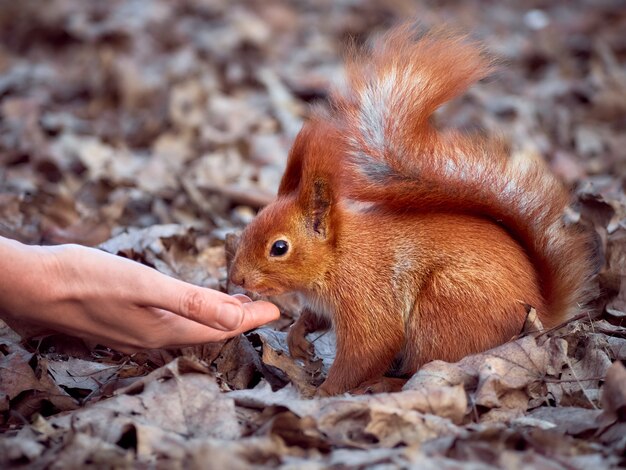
288	246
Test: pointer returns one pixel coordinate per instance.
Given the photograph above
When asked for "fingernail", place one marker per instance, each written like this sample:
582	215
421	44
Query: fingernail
230	315
243	298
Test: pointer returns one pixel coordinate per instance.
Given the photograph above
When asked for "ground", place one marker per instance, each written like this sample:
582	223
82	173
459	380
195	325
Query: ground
154	129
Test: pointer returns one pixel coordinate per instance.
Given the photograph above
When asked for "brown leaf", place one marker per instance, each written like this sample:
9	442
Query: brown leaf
178	399
25	382
532	323
503	378
569	420
614	391
296	431
276	357
444	401
237	364
17	376
85	376
263	396
361	424
582	377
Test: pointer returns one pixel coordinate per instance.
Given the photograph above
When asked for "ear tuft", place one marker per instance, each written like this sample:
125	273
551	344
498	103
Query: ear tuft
320	207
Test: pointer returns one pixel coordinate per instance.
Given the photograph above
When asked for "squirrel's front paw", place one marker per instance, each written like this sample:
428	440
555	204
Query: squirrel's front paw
299	346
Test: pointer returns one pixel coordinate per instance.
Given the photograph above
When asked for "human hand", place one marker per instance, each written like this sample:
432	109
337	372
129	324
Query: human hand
117	302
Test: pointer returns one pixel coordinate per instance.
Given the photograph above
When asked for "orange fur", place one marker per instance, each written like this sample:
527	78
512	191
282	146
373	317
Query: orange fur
416	244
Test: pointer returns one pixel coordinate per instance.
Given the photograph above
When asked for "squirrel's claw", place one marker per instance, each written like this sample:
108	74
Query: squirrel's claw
299	346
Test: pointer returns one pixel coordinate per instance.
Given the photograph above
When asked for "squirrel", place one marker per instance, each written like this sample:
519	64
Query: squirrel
413	243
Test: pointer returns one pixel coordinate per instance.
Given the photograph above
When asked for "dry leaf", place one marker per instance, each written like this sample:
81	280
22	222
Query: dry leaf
614	392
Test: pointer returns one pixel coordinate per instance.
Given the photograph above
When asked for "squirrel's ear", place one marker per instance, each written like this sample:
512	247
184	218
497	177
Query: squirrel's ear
293	172
317	200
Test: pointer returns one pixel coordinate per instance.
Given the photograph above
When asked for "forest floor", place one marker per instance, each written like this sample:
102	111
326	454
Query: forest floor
153	129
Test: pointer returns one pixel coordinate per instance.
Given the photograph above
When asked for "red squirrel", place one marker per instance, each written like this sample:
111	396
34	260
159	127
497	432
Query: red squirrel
414	244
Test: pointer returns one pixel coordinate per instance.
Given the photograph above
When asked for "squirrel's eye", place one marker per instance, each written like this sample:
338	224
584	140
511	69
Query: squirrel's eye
279	248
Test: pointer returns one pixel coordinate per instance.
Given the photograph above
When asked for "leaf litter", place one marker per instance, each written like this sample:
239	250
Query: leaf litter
153	132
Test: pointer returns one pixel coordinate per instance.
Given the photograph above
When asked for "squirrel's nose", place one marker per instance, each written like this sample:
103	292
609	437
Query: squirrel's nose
237	278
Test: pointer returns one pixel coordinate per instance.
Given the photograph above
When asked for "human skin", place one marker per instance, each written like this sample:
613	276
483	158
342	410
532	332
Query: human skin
114	301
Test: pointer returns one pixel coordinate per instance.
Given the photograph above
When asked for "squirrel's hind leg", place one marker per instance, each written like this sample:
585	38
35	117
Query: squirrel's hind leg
450	321
380	385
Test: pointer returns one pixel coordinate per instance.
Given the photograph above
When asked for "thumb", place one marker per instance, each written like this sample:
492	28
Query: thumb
206	306
229	315
256	314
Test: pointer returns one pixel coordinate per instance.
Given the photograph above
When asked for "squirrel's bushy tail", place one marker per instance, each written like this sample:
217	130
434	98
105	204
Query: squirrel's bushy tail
396	157
393	88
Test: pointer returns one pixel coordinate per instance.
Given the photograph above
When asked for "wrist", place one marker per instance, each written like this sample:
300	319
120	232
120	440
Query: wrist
25	278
